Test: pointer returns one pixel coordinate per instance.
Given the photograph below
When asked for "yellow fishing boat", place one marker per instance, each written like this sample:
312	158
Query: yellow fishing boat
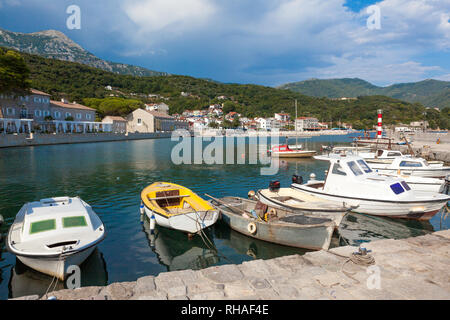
176	207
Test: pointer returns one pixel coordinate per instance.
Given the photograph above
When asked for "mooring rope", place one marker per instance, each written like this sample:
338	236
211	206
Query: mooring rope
55	275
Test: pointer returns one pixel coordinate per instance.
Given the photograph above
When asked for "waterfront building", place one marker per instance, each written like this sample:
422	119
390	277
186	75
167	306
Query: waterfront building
118	124
36	112
309	124
144	121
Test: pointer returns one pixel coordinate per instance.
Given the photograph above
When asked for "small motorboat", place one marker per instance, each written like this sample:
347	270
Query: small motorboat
413	167
415	182
350	179
176	207
301	202
279	226
284	151
53	234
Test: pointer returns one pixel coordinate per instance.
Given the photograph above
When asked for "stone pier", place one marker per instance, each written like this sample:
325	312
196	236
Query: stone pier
414	268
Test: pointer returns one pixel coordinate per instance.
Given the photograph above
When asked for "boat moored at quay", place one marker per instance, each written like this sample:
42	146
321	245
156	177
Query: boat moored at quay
350	179
276	225
177	207
53	234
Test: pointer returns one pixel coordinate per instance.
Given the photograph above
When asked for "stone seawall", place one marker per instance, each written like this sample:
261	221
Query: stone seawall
414	268
23	140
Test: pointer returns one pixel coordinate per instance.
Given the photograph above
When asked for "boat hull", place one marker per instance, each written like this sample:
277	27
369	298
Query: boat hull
416	210
189	222
294	154
56	266
313	238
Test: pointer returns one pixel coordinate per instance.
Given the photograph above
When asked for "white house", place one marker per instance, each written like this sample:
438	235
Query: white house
159	107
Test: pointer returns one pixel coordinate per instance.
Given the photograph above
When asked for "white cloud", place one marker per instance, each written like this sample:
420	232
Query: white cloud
168	15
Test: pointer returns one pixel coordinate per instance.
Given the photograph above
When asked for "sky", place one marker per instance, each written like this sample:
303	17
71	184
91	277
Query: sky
267	42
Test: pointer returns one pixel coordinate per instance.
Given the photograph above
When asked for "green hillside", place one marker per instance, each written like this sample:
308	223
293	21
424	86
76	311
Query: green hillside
431	93
78	82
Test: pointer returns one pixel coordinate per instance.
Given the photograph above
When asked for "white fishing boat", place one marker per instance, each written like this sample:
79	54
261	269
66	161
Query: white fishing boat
350	179
176	207
413	167
53	234
415	182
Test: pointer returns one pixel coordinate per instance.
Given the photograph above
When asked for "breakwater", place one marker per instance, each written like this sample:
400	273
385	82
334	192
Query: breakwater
412	268
23	140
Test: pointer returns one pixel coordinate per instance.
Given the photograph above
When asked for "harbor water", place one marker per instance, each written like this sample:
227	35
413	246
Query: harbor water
110	176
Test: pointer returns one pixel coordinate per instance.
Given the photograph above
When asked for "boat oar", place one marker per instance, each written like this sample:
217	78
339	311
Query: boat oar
230	207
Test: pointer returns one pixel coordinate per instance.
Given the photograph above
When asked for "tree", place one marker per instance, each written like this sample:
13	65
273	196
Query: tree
14	73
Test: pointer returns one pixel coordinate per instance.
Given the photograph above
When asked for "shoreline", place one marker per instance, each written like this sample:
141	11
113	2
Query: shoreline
413	268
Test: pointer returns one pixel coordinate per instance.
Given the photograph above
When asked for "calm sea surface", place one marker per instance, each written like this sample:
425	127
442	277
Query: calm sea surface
110	176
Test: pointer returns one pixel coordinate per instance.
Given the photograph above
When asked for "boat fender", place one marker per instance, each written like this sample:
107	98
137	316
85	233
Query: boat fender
251	227
271	214
297	179
141	209
152	222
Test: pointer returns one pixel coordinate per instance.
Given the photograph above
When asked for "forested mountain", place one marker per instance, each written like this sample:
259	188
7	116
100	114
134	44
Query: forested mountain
431	93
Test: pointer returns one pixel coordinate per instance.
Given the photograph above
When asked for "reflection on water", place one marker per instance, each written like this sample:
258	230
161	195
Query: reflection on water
358	228
253	248
110	177
25	281
178	252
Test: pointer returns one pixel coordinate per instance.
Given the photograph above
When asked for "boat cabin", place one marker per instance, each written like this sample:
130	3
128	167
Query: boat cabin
409	163
281	148
352	175
55	216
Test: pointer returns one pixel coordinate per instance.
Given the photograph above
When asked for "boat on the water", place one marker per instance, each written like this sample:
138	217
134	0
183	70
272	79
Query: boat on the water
285	151
413	167
351	179
303	203
277	225
53	234
177	207
415	182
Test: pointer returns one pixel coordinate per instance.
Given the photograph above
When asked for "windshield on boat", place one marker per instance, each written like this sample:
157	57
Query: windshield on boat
397	188
71	222
410	164
337	169
354	167
364	166
42	226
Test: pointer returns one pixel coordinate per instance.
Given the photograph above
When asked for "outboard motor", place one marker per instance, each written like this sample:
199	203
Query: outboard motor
274	185
297	179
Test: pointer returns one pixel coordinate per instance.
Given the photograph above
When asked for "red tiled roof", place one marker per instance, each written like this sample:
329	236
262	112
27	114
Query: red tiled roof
70	105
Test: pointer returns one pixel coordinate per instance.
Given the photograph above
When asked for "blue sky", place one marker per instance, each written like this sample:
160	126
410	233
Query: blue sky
267	42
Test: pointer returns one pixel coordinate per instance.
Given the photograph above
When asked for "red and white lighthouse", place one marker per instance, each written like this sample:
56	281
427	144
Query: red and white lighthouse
380	122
